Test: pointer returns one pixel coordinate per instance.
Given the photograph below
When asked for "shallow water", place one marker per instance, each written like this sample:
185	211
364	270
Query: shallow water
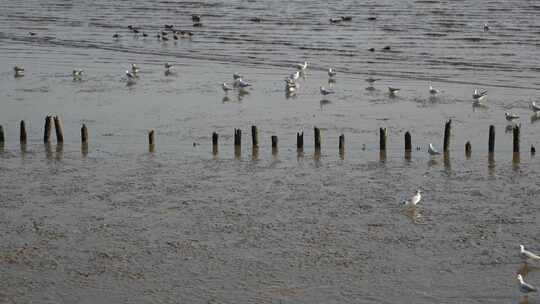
120	224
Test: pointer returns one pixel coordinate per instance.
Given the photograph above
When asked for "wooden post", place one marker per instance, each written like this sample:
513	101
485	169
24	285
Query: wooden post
341	144
84	134
23	133
533	150
300	141
468	149
237	143
383	134
151	141
408	144
447	130
2	138
317	135
274	139
491	143
516	138
47	130
255	136
215	138
59	130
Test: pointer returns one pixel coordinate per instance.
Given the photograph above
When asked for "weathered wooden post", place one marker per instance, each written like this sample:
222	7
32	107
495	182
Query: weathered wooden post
23	133
2	138
408	145
151	141
274	139
84	140
341	145
317	137
255	136
47	129
533	150
516	138
447	131
300	141
383	134
491	143
215	138
468	149
59	130
237	143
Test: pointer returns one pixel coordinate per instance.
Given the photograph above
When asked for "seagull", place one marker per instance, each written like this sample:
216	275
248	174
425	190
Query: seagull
18	71
346	18
432	151
372	80
510	116
196	18
130	78
301	66
326	91
290	85
413	200
524	287
486	27
168	66
534	107
479	96
527	255
295	76
241	83
226	88
116	36
433	91
134	68
331	72
77	74
393	91
335	20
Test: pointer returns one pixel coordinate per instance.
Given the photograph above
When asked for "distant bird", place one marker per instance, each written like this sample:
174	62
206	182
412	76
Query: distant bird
116	36
387	48
510	116
346	18
524	287
168	68
371	49
134	69
479	96
335	20
302	66
371	80
486	27
432	151
168	26
163	33
534	107
19	71
131	79
331	72
393	91
197	24
77	74
31	33
241	83
164	38
527	255
135	31
295	76
236	76
290	86
433	91
226	88
144	34
413	200
196	18
325	91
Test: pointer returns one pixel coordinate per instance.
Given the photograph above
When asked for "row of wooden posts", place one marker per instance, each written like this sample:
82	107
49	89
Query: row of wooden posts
383	136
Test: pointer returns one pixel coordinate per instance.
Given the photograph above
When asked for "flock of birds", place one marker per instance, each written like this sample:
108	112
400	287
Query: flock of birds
526	255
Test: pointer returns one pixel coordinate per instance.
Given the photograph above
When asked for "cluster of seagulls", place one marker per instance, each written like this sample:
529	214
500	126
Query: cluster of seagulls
163	35
238	83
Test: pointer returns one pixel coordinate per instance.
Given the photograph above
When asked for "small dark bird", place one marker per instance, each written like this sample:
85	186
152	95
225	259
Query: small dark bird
116	36
335	20
372	18
144	34
387	48
175	36
130	27
32	33
255	19
163	33
197	24
169	26
134	30
164	38
346	18
190	34
371	49
196	18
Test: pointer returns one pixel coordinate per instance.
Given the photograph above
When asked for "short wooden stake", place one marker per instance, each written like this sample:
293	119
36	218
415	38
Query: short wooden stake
408	144
300	141
274	139
383	134
59	130
317	137
84	134
491	143
341	144
468	149
533	150
2	138
255	136
516	138
23	132
237	137
47	129
151	141
215	138
447	131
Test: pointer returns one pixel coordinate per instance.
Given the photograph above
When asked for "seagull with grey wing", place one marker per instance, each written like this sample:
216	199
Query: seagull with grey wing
413	200
525	287
325	91
535	107
432	151
527	255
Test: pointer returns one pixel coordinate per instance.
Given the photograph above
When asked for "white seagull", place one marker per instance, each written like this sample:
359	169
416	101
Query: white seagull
524	287
325	91
134	68
527	255
130	78
479	96
226	88
486	27
510	116
77	74
18	71
331	72
302	66
241	83
413	200
432	90
534	107
432	151
295	76
393	91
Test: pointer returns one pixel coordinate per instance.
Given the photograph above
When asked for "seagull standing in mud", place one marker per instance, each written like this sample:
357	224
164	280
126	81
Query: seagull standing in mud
525	287
19	71
432	90
432	150
302	66
479	96
413	200
527	255
325	91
